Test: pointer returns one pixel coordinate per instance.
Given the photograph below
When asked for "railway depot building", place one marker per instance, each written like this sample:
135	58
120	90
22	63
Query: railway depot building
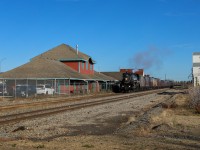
63	68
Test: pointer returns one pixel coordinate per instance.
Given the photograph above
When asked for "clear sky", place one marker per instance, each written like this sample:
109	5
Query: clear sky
158	35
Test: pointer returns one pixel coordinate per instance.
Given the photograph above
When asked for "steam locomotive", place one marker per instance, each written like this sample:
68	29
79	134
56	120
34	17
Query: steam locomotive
130	82
134	82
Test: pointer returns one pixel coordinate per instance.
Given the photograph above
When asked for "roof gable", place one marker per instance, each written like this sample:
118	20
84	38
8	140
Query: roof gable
42	68
63	52
48	68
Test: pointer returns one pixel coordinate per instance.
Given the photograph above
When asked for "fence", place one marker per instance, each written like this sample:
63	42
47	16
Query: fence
50	87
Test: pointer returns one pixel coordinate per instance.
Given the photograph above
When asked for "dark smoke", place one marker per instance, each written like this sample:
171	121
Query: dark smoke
151	58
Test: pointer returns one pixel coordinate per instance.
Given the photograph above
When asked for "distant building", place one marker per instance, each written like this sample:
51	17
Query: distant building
196	68
118	75
138	71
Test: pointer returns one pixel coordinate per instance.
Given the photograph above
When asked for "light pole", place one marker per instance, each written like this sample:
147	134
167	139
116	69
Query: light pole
1	62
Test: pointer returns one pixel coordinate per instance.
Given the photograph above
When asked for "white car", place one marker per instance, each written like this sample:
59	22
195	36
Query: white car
45	89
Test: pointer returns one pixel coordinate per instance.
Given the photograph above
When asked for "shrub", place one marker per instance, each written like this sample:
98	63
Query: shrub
195	98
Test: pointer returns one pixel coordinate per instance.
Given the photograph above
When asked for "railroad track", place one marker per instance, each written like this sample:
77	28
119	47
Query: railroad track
50	111
48	102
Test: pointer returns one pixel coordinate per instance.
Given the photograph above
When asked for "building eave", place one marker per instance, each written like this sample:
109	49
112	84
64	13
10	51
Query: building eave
76	60
72	60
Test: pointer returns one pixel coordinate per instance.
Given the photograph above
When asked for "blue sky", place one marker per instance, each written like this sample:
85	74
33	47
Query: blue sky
158	35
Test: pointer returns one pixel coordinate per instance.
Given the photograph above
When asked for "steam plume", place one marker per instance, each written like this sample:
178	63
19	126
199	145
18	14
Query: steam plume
151	58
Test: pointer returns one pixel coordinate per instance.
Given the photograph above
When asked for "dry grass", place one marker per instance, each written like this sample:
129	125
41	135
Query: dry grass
195	98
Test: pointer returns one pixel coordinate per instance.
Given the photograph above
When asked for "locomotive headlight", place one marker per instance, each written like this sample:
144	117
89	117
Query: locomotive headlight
126	79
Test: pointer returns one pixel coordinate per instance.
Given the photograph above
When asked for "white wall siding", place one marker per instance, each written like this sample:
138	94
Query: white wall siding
196	71
196	58
196	68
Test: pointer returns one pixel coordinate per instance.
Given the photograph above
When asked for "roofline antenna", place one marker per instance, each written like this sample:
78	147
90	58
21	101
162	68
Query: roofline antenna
77	49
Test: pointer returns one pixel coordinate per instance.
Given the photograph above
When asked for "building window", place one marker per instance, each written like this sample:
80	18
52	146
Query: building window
91	66
86	65
83	65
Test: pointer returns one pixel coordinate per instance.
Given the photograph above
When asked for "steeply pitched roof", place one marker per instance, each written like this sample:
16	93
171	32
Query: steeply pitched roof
42	68
48	65
48	68
64	52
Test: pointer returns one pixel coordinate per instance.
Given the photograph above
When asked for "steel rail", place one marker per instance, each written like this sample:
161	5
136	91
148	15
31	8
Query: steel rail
48	102
46	112
52	102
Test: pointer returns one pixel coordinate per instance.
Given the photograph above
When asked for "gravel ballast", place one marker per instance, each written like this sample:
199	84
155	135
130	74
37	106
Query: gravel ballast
96	120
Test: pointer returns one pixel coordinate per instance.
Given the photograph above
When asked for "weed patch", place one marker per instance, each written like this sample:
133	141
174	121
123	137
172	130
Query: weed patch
88	146
40	146
14	145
